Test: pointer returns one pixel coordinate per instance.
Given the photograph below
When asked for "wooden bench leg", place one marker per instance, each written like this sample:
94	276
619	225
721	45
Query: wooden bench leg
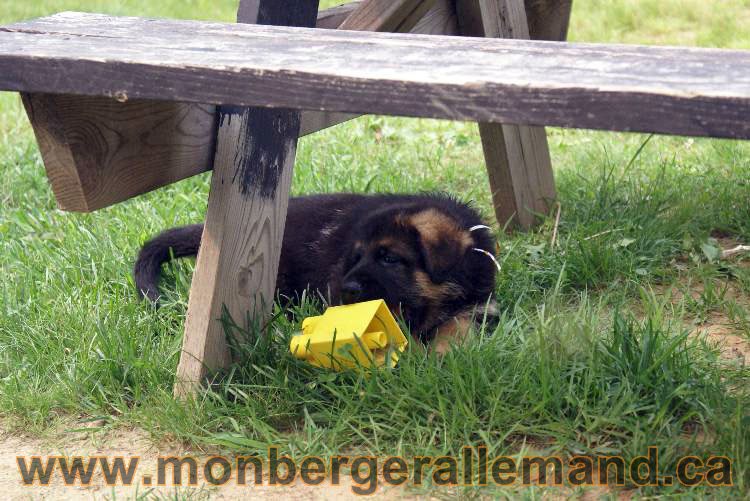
519	170
239	256
517	157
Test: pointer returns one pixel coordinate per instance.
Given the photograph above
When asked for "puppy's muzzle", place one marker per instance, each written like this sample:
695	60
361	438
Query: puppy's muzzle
351	291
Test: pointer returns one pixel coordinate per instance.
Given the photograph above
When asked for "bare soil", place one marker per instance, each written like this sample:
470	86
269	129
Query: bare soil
130	443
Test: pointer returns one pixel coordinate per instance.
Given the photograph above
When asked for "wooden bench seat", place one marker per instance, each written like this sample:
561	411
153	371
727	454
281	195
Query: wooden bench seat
700	92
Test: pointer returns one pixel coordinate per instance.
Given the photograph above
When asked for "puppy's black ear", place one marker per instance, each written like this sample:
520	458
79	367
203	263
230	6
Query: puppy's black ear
443	242
441	258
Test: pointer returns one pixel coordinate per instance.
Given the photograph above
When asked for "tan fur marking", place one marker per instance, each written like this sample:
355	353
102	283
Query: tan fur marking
453	332
383	242
436	292
434	226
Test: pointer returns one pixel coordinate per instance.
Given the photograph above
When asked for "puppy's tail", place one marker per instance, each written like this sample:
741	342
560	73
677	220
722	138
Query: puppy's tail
178	242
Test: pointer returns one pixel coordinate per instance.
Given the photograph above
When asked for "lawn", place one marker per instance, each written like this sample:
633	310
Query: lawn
610	341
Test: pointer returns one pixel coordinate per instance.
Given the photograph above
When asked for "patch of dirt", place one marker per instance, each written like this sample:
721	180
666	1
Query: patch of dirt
132	443
136	443
731	339
720	331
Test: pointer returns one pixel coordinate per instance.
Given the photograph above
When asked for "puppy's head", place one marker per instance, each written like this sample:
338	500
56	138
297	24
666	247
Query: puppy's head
422	261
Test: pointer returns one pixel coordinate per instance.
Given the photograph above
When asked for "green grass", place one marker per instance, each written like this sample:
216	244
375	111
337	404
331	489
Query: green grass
590	354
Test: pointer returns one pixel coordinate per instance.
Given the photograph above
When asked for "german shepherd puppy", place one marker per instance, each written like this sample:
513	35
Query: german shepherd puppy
425	255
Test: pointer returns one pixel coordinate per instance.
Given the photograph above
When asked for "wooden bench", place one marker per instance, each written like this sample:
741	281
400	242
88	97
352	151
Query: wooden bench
123	105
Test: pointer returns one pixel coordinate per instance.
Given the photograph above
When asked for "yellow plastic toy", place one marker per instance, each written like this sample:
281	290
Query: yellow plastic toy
361	334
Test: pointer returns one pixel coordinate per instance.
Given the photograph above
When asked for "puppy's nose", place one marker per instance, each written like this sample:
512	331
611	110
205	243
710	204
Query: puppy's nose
351	291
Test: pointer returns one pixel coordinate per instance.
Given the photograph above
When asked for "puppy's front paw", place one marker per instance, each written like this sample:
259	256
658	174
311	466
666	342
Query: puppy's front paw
452	332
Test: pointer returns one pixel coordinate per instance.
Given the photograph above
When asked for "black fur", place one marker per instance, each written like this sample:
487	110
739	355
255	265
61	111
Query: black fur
331	245
177	242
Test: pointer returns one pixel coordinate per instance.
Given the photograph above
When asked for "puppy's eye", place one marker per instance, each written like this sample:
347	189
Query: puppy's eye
388	257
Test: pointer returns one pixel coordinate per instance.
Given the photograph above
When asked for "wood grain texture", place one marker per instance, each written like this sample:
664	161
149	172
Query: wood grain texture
517	157
241	243
548	19
98	152
520	172
428	15
386	15
414	16
440	19
701	92
331	19
125	149
59	161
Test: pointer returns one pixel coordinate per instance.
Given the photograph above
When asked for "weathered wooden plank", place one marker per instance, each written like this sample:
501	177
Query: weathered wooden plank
241	243
379	15
700	92
548	19
99	151
59	159
386	15
332	18
517	157
314	121
413	18
371	15
520	172
440	19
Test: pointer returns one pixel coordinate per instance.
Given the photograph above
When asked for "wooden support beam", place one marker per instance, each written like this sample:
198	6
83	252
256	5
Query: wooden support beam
387	15
241	243
439	20
517	157
548	19
331	19
99	151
